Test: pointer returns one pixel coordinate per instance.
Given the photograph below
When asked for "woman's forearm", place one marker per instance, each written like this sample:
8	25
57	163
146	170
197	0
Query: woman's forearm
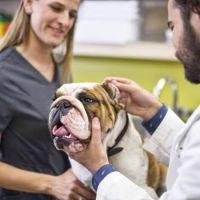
21	180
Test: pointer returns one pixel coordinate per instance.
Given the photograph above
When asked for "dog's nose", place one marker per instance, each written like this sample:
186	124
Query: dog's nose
64	106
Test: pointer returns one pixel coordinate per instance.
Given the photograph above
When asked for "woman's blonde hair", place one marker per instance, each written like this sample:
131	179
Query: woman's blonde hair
18	33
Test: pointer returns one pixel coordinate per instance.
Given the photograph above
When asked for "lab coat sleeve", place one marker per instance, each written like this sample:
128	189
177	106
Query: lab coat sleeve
187	183
116	186
161	141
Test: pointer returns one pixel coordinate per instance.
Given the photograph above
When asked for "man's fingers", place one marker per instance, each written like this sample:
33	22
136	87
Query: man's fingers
96	131
122	86
118	79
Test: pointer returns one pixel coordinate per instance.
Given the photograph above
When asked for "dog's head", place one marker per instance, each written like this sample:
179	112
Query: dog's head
74	107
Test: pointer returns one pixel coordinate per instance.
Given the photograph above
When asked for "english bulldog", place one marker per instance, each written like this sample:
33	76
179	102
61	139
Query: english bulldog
70	125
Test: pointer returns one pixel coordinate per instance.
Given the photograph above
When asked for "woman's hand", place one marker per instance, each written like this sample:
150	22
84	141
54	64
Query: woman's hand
94	156
136	100
68	187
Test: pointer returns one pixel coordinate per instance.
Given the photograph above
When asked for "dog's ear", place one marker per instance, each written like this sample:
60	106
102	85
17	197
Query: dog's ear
112	91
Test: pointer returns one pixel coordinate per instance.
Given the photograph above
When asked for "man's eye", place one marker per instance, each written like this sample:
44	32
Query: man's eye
170	25
73	14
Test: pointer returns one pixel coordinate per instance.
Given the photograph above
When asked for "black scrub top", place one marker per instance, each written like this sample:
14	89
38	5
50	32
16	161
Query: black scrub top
25	98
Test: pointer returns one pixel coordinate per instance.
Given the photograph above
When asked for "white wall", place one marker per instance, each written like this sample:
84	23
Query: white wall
9	5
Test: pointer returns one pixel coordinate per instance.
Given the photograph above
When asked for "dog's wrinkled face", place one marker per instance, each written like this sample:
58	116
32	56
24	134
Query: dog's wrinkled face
73	109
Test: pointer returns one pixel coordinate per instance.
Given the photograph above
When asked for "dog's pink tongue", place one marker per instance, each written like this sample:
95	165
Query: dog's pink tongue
61	131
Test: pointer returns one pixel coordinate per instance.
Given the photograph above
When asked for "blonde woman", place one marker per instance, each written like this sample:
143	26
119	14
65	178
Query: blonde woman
31	168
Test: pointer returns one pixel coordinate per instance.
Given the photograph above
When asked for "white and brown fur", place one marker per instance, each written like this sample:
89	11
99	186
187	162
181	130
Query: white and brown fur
133	161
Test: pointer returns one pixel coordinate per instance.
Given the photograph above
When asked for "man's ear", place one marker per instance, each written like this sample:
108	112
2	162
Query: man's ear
28	6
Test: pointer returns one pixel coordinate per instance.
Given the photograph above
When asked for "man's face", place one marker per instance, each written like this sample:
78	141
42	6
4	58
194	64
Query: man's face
186	40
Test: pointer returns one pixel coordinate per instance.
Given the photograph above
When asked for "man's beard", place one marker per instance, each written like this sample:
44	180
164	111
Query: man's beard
189	54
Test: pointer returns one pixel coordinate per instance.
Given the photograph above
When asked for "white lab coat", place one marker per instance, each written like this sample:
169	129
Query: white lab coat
180	141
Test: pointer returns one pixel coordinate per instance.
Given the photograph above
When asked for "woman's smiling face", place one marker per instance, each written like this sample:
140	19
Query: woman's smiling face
51	20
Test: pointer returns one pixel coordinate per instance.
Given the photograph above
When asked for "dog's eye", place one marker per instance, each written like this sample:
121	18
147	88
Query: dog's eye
88	100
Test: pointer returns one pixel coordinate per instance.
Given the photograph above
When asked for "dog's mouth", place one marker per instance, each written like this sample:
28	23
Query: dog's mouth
62	137
68	127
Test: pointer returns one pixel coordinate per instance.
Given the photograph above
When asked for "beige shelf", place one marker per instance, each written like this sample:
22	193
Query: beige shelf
140	50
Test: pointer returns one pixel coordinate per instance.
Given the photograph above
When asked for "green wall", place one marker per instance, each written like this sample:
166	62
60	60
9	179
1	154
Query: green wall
144	72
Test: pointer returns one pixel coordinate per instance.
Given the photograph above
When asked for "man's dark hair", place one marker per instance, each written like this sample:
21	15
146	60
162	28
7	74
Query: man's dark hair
188	6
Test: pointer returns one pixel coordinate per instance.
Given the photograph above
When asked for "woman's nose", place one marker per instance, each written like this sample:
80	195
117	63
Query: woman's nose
64	18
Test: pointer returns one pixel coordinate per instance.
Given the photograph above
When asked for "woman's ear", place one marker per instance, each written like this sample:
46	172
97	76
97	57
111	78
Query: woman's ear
28	6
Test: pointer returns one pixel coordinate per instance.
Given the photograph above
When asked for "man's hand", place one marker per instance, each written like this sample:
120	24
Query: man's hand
68	187
136	100
94	156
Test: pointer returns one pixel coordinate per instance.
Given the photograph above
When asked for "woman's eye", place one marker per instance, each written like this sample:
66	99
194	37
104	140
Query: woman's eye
56	9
